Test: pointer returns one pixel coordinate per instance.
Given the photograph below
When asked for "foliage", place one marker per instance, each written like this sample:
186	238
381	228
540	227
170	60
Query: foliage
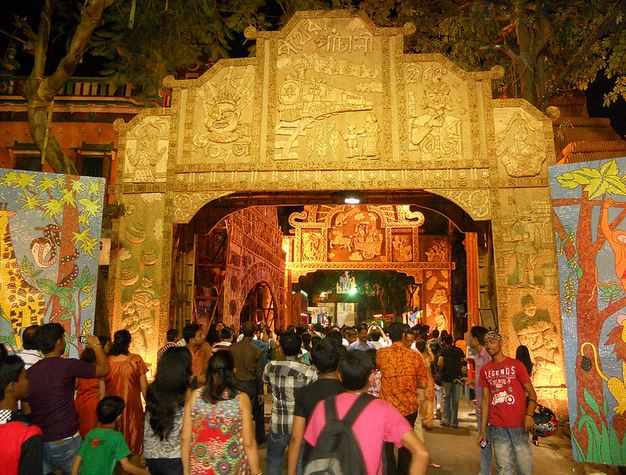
603	444
596	182
547	47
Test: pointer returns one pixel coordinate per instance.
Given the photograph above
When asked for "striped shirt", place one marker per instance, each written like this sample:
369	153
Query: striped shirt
284	377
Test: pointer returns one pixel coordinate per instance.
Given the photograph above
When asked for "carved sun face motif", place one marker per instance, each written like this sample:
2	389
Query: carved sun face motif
223	118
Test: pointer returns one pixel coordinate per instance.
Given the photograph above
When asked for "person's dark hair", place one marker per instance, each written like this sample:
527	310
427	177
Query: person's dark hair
306	341
447	339
88	356
522	354
103	339
325	356
371	352
213	335
171	335
3	351
435	333
315	340
396	331
219	377
248	329
121	342
30	338
479	333
49	334
109	408
362	326
291	343
420	345
355	368
376	335
302	329
10	368
226	333
166	395
443	334
189	331
335	334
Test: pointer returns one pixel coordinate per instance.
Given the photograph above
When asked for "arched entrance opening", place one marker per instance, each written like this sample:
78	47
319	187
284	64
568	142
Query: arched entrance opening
227	275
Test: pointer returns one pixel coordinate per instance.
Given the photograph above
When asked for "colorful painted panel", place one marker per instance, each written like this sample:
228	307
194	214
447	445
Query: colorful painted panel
589	204
49	246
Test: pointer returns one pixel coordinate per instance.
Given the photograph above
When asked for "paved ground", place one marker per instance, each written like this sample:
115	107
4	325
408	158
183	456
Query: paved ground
456	451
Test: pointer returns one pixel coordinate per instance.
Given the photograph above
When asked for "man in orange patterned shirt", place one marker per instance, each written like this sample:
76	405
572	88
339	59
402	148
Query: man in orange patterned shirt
403	373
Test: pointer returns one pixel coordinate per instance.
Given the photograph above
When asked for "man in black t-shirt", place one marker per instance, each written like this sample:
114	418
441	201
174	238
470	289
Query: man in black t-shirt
325	357
451	361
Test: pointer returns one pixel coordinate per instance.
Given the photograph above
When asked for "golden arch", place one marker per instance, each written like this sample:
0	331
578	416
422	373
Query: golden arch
332	103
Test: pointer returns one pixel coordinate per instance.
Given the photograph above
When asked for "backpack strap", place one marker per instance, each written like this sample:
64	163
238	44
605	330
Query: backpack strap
357	407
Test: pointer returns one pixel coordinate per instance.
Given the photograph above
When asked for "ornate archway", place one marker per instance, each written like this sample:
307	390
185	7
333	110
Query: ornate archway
331	103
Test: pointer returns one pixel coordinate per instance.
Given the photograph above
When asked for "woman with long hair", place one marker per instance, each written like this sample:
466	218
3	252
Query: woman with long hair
89	391
522	354
218	430
127	379
165	406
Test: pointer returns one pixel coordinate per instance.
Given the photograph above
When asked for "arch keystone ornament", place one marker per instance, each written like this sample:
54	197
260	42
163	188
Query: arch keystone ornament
332	103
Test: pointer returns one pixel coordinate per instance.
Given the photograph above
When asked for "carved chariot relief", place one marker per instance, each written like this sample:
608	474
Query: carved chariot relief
329	92
436	110
520	147
147	147
222	119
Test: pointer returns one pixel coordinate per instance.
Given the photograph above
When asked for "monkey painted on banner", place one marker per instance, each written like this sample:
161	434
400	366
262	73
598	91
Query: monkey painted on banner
616	239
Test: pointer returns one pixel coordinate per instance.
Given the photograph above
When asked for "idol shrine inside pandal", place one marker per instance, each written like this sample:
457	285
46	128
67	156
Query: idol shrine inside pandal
330	181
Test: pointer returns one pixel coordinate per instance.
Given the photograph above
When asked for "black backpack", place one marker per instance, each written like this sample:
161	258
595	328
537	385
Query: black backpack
337	452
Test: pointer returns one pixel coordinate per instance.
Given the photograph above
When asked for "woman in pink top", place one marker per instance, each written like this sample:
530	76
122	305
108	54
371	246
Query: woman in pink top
379	422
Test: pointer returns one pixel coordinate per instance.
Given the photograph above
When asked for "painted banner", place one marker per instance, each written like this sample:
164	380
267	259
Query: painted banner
589	214
49	246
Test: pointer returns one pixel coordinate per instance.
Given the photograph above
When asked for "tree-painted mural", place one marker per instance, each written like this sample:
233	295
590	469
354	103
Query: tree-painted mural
589	211
49	247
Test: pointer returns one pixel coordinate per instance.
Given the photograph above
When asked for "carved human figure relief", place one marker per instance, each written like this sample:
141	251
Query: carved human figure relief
222	130
518	148
435	129
147	147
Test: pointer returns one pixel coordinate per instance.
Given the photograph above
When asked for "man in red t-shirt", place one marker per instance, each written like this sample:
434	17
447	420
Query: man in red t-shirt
508	404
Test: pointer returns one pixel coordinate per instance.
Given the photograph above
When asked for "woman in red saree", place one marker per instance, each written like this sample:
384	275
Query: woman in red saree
127	379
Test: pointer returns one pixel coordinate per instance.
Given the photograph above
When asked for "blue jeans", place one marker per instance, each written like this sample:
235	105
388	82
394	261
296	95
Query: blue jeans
451	397
486	454
276	446
512	449
59	454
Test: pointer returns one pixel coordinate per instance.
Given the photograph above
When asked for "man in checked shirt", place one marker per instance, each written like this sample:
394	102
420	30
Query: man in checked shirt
284	377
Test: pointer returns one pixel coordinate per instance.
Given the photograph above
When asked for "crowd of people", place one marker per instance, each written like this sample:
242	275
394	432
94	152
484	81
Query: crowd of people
356	398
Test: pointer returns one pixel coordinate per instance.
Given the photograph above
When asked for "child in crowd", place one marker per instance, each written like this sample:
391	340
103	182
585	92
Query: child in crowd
21	449
104	446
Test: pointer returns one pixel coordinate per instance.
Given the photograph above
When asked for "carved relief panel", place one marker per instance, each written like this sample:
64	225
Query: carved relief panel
437	114
221	116
436	288
329	89
521	143
145	155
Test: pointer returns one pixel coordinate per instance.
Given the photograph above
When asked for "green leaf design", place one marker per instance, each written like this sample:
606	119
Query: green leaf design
591	402
65	316
47	286
609	169
583	176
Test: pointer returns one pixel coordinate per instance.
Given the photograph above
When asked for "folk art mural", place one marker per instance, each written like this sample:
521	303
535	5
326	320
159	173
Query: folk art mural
49	247
589	208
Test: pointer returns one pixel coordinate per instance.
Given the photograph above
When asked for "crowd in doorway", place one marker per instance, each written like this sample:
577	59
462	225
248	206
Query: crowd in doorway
357	399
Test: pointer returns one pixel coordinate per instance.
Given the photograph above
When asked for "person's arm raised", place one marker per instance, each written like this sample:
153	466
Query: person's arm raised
102	365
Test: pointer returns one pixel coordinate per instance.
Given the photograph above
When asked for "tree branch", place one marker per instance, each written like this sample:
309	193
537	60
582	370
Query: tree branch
40	45
618	7
23	25
90	19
